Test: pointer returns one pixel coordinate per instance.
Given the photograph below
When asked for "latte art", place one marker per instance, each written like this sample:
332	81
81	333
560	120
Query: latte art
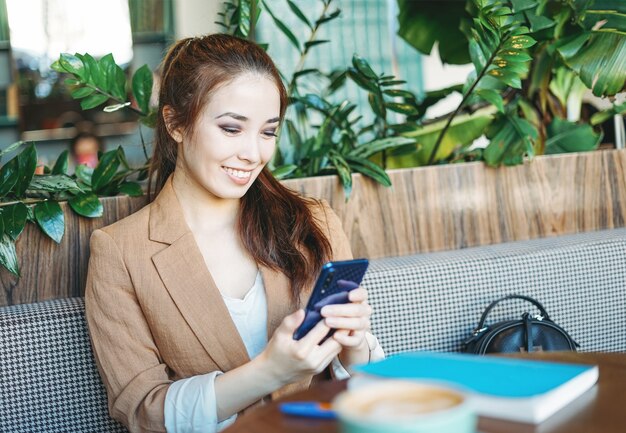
397	406
407	403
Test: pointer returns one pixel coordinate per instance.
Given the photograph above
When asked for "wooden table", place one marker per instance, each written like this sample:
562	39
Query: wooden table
602	409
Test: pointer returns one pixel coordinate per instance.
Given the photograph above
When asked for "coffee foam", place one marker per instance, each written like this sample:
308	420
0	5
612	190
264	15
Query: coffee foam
397	399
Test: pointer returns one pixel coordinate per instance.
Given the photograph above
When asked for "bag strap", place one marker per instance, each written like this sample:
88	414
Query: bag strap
483	318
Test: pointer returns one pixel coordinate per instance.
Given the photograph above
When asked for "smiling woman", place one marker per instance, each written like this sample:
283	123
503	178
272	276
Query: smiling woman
193	301
234	138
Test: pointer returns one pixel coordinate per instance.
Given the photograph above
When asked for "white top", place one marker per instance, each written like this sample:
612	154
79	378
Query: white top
190	404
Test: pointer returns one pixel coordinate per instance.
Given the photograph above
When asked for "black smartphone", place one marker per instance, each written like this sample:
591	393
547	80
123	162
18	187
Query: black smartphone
333	285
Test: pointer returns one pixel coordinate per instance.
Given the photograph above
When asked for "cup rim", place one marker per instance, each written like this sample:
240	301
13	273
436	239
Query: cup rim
462	406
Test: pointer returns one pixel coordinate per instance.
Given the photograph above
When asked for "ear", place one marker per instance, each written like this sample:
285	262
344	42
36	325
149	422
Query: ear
168	116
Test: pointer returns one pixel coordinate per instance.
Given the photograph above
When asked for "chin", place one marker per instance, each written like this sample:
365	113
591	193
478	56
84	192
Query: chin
231	192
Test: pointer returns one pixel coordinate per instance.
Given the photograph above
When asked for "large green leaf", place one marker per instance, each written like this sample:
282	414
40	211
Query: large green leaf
14	219
343	170
72	64
283	28
93	101
87	204
49	216
11	147
84	174
132	189
296	10
363	67
462	132
8	255
60	166
52	183
27	161
603	116
106	169
369	169
142	87
599	60
362	81
564	136
373	147
511	140
422	23
9	174
284	171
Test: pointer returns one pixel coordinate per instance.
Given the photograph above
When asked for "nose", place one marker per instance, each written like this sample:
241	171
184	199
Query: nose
250	150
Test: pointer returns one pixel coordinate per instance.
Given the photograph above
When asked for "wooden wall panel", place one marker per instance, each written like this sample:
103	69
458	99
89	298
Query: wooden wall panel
461	205
427	209
50	270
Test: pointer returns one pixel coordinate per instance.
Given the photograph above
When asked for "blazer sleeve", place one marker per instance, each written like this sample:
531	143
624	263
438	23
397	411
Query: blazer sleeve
135	377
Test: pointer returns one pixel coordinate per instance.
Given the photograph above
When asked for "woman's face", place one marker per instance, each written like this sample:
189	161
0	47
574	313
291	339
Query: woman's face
234	138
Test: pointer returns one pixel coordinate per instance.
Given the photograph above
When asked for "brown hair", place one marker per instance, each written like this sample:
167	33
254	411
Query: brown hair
274	223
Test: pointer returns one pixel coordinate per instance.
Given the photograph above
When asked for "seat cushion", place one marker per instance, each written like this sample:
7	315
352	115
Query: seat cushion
433	301
49	381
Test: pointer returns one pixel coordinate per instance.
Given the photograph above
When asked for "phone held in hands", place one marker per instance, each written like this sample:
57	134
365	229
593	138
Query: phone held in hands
333	285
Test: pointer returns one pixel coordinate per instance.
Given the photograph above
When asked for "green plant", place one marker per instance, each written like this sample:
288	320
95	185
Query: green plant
322	136
29	197
530	58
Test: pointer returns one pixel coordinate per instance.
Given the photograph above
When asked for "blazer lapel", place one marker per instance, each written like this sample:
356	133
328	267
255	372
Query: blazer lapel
188	281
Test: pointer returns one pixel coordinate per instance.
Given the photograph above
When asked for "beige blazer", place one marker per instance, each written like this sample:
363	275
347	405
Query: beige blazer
155	314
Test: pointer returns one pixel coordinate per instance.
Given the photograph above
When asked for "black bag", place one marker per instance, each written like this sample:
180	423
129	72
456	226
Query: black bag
528	334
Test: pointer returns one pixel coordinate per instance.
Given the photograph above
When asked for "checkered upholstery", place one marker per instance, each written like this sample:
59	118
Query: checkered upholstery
48	378
433	301
49	382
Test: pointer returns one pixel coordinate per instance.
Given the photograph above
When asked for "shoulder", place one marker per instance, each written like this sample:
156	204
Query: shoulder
323	214
127	230
330	224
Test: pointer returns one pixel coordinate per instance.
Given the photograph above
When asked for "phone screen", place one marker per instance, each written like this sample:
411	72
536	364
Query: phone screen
333	285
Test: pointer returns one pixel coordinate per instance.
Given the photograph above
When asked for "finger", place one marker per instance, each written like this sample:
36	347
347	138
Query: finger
314	336
347	285
349	340
347	310
325	353
358	295
350	323
291	322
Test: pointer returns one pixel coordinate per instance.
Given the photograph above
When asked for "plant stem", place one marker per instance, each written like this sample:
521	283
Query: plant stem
253	12
460	106
304	53
143	144
129	107
26	201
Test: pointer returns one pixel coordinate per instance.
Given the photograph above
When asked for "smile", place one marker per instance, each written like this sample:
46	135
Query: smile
239	174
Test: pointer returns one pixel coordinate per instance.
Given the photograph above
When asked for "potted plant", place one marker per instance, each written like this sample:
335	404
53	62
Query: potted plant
426	209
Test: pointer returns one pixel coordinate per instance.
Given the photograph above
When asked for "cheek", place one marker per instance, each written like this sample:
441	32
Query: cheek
267	150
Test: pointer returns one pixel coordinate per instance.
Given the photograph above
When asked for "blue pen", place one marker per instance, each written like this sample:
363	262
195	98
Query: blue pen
309	409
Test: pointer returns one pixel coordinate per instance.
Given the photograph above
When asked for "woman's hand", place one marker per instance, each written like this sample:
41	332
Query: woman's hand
289	360
351	321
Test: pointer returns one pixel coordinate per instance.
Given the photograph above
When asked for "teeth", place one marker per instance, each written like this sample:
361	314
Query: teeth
238	173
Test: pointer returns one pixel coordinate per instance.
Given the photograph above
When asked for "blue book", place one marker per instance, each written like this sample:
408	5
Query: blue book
509	388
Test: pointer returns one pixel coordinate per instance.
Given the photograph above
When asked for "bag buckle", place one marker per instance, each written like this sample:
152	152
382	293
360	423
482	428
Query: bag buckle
477	332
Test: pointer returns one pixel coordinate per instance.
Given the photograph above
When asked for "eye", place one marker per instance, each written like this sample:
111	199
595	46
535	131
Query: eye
230	130
270	133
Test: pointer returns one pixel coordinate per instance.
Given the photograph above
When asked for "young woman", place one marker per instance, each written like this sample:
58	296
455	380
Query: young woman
192	302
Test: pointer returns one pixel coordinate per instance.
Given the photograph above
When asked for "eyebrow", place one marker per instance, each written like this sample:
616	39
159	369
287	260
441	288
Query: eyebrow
244	118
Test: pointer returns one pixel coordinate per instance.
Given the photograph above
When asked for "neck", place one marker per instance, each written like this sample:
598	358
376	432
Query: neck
203	211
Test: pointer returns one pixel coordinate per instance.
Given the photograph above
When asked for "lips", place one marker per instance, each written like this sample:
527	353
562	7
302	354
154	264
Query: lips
240	177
